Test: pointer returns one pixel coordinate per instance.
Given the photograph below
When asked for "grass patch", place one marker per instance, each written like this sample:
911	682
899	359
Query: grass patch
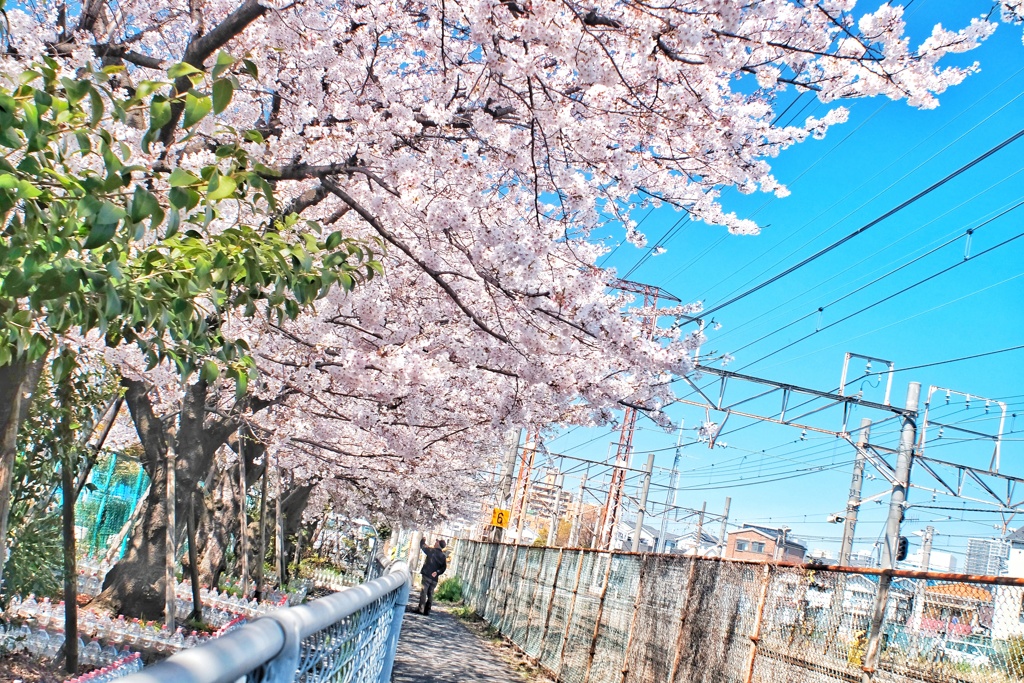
464	612
449	590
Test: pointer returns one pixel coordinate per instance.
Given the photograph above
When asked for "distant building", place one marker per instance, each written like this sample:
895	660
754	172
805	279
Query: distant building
986	556
1015	558
864	558
687	544
543	495
1009	600
938	561
760	543
822	557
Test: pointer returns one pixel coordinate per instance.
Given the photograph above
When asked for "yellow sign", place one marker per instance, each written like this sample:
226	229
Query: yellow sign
500	518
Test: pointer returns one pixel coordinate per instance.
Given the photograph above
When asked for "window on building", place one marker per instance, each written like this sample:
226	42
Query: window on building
742	546
757	547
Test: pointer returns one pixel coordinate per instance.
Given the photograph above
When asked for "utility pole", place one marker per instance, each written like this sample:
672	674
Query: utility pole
505	489
700	529
670	495
926	548
921	584
725	524
853	503
574	533
908	436
555	509
522	490
643	502
781	545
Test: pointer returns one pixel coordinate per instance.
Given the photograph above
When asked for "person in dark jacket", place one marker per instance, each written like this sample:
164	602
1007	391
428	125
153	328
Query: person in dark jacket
435	565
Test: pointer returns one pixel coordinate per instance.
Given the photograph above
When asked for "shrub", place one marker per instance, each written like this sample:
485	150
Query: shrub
449	590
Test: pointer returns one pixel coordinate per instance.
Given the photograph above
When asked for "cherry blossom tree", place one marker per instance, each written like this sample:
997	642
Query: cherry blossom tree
482	143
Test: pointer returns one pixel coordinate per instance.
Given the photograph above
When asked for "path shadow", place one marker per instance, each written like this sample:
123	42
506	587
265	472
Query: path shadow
440	649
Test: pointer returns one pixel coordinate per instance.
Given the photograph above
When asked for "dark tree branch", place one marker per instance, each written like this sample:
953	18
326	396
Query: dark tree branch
434	275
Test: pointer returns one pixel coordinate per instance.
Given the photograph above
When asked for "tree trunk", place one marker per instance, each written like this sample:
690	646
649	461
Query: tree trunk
70	561
135	586
221	512
17	386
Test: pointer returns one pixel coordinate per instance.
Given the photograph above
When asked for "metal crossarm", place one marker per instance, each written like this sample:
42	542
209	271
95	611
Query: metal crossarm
347	637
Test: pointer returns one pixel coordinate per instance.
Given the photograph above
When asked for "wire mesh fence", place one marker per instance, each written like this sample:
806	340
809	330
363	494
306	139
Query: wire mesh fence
597	617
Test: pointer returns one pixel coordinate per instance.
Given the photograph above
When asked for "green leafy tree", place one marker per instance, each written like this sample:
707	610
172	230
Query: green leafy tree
36	547
97	237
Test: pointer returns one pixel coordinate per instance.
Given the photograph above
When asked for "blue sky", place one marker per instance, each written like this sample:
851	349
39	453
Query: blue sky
885	154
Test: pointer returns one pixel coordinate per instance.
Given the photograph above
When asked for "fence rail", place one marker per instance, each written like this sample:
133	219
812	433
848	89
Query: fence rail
592	616
350	636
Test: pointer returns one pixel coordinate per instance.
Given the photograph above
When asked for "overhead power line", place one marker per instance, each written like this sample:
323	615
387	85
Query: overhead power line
867	226
957	360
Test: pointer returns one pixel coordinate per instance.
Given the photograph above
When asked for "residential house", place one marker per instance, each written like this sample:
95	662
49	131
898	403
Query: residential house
760	543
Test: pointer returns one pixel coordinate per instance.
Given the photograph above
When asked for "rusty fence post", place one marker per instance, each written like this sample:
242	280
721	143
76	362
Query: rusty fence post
683	610
508	590
570	611
551	603
533	596
644	559
597	619
755	635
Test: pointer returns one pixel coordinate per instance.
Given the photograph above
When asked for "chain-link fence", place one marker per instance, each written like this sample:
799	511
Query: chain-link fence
597	617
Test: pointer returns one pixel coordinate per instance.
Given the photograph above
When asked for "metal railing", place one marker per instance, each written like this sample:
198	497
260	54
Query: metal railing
346	637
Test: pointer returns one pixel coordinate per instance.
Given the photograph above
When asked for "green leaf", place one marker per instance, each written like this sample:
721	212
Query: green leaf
333	240
104	225
220	187
96	103
75	90
144	205
224	61
241	385
210	372
222	91
196	108
254	136
173	224
250	68
159	112
182	69
182	178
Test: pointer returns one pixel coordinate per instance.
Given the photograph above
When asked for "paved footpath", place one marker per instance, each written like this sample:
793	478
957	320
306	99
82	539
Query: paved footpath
440	649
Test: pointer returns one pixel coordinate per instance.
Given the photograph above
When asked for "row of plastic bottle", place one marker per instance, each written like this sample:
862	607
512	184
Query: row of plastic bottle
46	645
44	615
112	672
329	578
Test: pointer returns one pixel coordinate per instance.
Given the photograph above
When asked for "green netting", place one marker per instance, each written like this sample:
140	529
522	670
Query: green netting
107	504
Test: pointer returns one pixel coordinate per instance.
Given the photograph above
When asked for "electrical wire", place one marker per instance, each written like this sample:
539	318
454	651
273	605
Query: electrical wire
870	224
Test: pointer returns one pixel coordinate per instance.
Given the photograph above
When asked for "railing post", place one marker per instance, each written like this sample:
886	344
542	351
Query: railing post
678	658
755	636
282	668
396	629
569	612
644	559
597	620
